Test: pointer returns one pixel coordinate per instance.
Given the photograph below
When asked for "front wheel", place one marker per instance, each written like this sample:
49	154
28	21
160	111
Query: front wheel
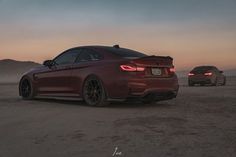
26	89
93	92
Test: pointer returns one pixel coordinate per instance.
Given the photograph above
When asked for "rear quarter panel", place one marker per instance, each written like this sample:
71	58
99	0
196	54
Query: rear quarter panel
108	72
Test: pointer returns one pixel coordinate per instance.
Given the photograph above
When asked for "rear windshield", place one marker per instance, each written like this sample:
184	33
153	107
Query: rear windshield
203	69
125	53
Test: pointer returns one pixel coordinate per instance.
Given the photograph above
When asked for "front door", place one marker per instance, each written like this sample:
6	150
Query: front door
56	80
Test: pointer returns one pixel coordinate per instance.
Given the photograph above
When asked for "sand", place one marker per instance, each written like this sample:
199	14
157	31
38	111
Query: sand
200	122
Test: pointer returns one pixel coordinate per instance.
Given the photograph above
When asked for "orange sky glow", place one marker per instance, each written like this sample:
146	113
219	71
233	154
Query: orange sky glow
191	37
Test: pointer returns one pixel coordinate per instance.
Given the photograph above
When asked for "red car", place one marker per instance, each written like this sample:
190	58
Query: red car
99	74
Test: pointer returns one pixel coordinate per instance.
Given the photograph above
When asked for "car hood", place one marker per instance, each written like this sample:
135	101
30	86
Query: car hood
35	70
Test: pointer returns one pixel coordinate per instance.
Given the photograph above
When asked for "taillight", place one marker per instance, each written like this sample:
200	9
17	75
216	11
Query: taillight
128	68
208	74
140	68
172	69
131	68
190	74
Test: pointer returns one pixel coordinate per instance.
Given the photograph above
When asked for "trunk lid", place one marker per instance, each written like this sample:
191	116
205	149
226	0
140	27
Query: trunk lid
154	61
156	66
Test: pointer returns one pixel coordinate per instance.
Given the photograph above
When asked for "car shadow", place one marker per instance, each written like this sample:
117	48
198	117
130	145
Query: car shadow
197	85
126	104
61	101
160	104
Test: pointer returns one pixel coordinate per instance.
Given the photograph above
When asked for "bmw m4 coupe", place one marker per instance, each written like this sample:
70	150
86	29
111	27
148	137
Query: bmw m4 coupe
100	74
206	75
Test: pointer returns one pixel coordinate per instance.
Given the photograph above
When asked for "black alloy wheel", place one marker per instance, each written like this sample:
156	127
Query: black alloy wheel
215	83
224	82
93	92
26	89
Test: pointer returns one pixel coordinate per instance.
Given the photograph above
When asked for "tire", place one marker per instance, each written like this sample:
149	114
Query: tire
215	83
26	89
224	82
93	92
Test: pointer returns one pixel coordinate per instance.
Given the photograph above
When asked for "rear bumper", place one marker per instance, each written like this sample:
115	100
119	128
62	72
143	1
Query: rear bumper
155	88
155	95
200	80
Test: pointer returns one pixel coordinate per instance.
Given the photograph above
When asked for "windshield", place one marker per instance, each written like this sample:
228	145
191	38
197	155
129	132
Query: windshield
202	69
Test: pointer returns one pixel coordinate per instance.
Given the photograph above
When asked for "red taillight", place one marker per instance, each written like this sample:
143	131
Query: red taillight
131	68
128	68
172	70
208	74
140	68
190	74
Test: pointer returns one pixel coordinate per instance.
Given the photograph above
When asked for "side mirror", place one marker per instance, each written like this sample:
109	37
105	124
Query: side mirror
221	72
48	63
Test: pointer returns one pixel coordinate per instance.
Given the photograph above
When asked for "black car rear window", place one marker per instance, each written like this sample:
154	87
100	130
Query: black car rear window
203	69
125	53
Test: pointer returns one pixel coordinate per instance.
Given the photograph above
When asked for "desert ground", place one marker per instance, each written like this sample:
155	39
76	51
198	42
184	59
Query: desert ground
200	122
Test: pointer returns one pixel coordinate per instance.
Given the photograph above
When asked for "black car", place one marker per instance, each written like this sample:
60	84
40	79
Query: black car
206	75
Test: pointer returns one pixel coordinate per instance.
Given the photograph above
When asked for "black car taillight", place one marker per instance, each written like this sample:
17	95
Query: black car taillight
191	74
208	73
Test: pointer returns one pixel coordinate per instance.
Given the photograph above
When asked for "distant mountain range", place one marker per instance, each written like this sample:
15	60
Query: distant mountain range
12	70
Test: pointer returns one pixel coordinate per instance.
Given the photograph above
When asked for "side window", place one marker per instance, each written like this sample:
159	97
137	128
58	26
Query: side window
67	57
84	56
95	55
89	55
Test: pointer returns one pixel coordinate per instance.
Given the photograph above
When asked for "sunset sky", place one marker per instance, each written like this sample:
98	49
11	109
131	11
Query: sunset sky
193	32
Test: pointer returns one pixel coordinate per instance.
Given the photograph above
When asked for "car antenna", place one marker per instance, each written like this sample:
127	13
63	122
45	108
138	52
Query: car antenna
116	46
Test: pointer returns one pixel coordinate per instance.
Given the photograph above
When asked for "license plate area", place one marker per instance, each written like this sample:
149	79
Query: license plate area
156	71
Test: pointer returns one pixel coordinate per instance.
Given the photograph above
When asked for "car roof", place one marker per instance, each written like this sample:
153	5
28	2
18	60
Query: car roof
205	66
110	50
103	47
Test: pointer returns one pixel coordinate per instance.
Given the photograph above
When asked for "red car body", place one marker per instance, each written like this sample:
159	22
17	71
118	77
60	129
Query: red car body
119	73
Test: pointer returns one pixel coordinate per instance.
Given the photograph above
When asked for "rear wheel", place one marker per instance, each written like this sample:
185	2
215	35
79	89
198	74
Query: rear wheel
26	89
224	82
215	83
94	93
